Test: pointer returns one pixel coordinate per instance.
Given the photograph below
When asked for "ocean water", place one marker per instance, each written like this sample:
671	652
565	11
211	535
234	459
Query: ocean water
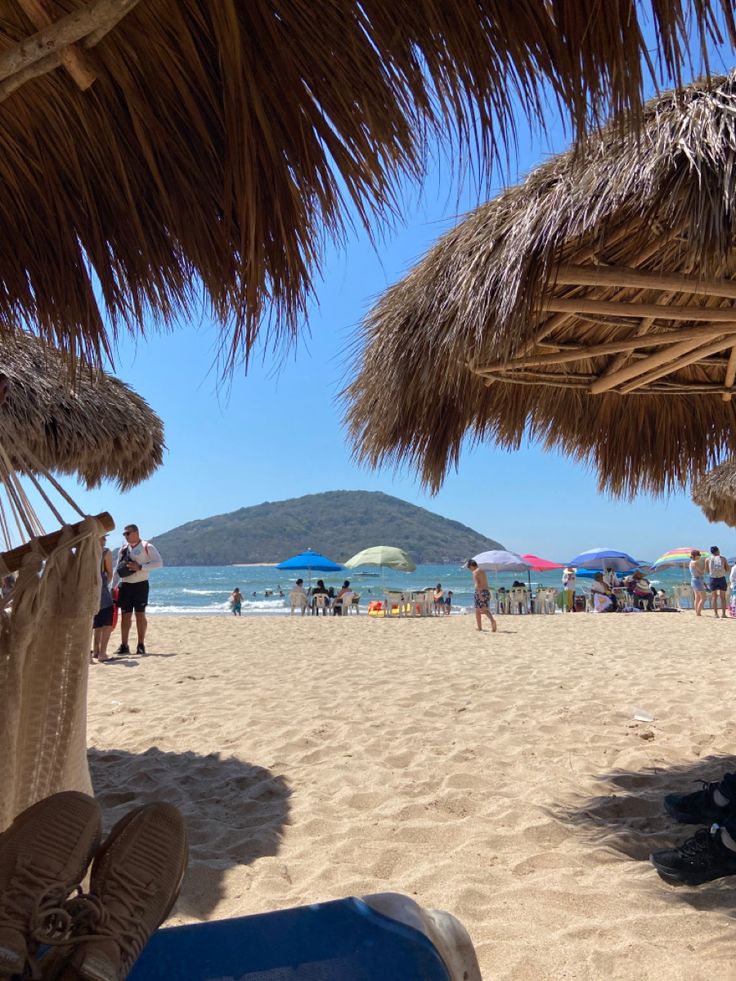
205	589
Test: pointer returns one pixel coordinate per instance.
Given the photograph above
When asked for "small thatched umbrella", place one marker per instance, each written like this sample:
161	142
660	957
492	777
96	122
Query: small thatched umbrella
148	146
590	308
715	493
83	422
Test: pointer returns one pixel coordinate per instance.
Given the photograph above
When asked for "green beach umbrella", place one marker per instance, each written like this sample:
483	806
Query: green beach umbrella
383	555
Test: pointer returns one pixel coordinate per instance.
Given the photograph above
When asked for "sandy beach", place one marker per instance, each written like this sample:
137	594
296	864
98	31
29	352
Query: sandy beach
500	777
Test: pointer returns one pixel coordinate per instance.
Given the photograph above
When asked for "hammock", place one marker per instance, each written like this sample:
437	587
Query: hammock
45	630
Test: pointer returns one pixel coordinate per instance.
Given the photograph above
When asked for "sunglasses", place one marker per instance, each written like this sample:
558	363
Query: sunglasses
126	533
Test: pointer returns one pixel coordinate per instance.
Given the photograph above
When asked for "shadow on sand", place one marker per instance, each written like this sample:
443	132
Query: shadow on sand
235	812
630	819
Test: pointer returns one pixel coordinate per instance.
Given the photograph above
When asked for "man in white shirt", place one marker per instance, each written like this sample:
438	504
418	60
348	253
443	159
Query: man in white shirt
717	568
135	560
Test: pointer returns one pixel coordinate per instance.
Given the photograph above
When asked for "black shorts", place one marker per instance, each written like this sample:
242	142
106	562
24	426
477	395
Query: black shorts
133	596
718	584
104	617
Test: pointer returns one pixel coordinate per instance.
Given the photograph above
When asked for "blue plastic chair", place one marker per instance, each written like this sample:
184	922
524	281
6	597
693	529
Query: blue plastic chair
343	940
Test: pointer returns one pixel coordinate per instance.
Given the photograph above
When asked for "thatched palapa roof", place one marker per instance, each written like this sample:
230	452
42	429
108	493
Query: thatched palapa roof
150	145
82	422
715	493
591	308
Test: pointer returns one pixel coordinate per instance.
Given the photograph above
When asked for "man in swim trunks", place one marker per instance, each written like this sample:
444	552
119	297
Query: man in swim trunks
482	594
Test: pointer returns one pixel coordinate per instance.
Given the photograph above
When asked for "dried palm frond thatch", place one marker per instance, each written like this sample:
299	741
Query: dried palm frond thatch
715	493
161	150
591	308
82	422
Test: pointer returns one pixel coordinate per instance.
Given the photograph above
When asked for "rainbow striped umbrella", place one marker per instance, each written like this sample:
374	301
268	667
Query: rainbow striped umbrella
674	558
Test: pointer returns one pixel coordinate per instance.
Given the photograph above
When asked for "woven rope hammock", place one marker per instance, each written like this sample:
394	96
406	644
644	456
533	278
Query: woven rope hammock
45	627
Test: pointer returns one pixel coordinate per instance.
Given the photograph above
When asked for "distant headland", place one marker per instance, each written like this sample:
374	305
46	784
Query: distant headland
337	523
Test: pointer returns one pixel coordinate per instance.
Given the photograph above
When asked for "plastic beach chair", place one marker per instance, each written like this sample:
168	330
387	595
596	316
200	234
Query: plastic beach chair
387	937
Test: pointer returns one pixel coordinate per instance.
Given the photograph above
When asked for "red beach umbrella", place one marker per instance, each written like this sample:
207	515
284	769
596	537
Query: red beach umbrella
541	565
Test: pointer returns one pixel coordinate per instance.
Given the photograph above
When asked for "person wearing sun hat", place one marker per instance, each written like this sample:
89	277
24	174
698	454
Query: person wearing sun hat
568	589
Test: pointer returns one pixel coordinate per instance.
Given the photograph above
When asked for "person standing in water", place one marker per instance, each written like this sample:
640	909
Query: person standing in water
236	601
482	596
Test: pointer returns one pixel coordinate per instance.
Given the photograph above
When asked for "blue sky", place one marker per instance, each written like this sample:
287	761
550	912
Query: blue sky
276	432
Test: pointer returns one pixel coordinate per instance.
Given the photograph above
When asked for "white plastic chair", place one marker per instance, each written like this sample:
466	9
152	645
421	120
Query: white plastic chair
320	601
682	597
343	603
519	600
353	606
422	603
545	600
394	598
503	601
298	601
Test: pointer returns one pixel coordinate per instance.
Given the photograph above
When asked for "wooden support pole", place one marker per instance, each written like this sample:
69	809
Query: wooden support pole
669	355
659	311
730	374
91	22
574	275
560	381
566	355
687	359
72	58
48	543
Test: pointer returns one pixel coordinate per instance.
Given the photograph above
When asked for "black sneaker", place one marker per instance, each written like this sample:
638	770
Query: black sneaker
700	807
141	649
701	858
122	650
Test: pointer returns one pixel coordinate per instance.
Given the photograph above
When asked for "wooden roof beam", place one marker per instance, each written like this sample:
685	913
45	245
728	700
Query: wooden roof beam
730	374
48	49
659	311
687	358
662	358
74	60
574	275
567	355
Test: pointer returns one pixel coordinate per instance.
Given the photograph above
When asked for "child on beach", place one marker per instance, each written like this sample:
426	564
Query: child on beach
236	601
482	595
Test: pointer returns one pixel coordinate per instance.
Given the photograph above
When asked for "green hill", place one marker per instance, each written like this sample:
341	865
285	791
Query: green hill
337	523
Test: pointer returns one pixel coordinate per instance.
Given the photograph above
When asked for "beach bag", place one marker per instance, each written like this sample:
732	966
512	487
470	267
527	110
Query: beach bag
122	568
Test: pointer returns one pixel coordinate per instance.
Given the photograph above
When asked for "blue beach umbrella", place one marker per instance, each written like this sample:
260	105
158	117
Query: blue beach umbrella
310	562
604	558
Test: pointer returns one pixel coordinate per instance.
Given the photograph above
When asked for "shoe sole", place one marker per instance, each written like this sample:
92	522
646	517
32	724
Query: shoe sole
89	819
674	878
57	969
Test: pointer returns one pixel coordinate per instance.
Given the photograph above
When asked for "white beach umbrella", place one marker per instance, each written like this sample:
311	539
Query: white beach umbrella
499	560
